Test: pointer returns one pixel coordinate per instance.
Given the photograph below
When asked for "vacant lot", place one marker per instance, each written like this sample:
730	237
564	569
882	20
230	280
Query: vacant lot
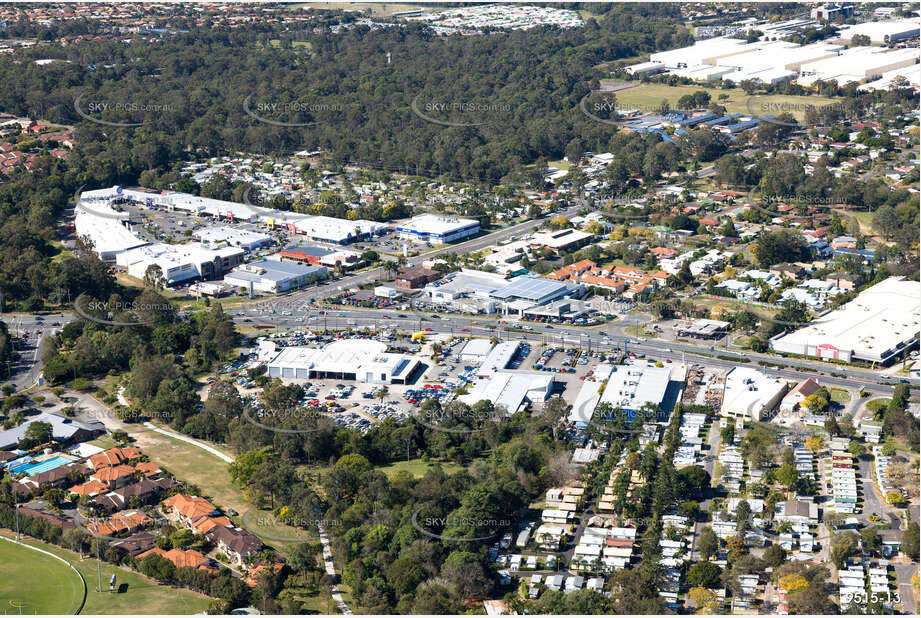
648	98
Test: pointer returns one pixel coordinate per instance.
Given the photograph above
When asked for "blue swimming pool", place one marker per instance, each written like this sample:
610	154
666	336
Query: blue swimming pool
37	467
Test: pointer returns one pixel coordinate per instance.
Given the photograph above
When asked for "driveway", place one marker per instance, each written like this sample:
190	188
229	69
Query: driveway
871	502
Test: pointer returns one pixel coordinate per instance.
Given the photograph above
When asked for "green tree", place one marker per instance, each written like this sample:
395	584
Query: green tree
911	540
708	544
704	574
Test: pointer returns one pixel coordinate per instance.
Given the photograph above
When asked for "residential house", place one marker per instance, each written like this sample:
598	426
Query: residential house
787	270
114	476
128	521
182	558
235	543
59	477
114	457
845	281
186	510
742	290
795	397
90	488
137	543
795	512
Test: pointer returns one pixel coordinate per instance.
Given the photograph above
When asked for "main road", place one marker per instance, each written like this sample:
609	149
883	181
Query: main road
28	332
604	338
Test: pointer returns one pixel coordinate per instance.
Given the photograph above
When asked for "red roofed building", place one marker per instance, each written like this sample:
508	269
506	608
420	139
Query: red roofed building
114	476
188	558
148	468
664	252
187	510
90	488
113	457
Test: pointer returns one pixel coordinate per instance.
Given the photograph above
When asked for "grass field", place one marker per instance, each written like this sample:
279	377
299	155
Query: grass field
648	97
39	583
62	596
839	395
418	468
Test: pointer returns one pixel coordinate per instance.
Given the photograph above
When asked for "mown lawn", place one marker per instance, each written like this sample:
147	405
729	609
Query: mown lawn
418	468
137	594
33	583
648	97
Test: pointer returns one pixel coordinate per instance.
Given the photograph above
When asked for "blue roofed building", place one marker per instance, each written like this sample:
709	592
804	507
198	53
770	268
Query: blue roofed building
865	255
696	120
728	118
274	277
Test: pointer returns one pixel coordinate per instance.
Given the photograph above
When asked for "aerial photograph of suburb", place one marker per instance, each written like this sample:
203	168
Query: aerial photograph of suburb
460	308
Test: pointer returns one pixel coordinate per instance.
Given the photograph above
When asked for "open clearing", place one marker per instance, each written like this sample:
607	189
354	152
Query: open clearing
648	98
418	468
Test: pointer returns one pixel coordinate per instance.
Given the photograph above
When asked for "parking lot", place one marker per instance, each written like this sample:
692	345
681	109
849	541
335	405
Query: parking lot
361	405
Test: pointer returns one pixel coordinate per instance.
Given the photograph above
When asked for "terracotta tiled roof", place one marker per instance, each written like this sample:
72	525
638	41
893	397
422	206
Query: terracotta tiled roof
89	488
147	468
112	473
190	507
207	524
187	558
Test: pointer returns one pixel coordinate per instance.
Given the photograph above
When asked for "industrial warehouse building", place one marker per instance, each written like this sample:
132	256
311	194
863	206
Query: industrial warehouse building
750	394
318	228
109	230
772	61
631	387
888	31
360	360
475	291
876	327
703	329
508	389
226	235
319	256
180	263
438	229
274	277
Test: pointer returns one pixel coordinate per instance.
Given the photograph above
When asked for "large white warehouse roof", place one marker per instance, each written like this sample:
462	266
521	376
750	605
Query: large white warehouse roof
882	320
